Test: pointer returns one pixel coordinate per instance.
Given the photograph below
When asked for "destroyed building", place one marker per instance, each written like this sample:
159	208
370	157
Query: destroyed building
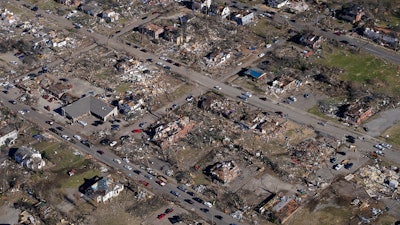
69	2
277	3
216	57
380	180
311	40
101	189
382	35
154	31
29	158
175	35
8	135
356	113
224	172
306	157
269	125
284	83
165	135
243	17
278	207
351	13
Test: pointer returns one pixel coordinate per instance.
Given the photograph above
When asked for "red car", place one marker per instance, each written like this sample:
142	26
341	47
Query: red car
144	183
160	183
161	216
137	131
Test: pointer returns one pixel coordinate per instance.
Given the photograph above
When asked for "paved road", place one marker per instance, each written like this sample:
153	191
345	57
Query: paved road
108	157
335	130
385	120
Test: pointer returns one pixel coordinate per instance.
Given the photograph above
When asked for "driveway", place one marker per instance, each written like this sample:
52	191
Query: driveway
385	120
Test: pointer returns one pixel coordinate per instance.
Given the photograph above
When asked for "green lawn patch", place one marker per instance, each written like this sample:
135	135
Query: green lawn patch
123	87
78	179
59	154
393	134
368	70
260	28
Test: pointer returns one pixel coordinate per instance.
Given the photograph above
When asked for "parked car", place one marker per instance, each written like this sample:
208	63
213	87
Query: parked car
189	201
161	216
182	188
144	183
348	166
175	193
199	200
159	182
169	210
338	166
77	137
128	167
100	152
205	210
113	143
208	204
87	143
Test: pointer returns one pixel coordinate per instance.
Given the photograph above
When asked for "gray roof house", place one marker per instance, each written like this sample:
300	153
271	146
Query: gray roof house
89	105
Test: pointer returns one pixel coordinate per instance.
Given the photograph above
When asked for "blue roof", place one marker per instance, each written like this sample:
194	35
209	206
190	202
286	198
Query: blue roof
254	73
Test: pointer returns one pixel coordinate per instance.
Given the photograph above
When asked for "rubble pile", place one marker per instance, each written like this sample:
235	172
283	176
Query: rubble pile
380	181
305	159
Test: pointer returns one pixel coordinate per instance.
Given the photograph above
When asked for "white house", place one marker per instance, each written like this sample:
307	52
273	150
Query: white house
8	136
29	158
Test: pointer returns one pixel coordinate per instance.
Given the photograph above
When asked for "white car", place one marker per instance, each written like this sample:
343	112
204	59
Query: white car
218	87
128	167
117	161
247	94
77	137
112	144
21	112
66	137
261	55
208	204
126	160
338	166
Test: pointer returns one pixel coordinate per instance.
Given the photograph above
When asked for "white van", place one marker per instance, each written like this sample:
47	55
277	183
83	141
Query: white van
83	123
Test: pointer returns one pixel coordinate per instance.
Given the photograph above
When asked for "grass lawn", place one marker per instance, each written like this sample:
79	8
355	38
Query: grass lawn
59	154
374	73
78	179
326	216
394	134
123	87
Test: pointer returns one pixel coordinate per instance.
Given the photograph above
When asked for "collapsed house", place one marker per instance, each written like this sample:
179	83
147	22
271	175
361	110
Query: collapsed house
284	83
165	135
357	113
380	181
101	189
29	158
151	29
311	40
381	35
279	208
224	172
